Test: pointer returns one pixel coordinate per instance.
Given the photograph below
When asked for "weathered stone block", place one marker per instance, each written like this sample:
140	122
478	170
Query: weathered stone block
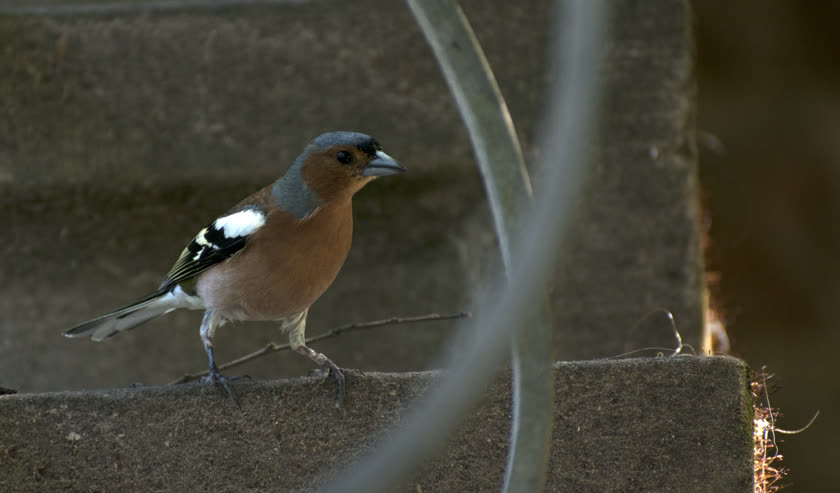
665	424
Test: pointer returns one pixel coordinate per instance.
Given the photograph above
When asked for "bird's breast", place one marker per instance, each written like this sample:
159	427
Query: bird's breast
284	267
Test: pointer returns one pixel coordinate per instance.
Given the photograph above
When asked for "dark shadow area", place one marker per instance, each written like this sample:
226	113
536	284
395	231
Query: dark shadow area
769	90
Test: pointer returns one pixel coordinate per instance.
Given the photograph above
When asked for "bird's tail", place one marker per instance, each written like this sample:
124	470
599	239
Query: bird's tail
126	317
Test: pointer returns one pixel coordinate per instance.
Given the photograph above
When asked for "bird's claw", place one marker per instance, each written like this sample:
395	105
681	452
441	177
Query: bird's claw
213	377
325	371
339	373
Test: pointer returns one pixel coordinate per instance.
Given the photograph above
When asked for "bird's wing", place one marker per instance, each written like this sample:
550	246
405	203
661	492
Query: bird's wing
219	241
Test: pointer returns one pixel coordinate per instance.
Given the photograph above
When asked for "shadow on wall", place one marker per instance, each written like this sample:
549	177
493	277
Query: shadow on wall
769	90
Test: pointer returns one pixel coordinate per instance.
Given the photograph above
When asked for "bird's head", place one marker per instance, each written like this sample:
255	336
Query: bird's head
338	164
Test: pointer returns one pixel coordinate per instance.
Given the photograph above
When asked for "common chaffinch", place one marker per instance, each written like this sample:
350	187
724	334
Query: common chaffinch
270	256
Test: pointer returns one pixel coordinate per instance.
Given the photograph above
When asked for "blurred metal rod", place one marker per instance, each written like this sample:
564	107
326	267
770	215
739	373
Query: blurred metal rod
508	188
484	112
481	343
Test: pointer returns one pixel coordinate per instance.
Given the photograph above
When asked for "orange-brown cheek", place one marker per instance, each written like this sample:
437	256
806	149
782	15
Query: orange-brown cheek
327	180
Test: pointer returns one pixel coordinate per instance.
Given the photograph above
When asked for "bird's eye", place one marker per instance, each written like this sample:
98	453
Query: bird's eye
344	157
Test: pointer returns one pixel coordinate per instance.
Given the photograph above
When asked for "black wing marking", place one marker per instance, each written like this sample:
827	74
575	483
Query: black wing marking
219	241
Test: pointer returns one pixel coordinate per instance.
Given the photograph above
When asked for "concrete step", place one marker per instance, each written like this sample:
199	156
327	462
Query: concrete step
681	424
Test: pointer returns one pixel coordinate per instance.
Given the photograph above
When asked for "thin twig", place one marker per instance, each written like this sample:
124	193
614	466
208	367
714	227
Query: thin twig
675	351
274	346
772	419
798	430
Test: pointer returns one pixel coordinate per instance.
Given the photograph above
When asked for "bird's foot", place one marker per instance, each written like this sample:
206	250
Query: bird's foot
215	378
325	371
338	373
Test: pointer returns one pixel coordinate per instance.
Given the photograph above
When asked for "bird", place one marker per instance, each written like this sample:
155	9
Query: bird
270	256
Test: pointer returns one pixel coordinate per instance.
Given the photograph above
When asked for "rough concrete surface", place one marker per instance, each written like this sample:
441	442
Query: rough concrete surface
122	135
660	424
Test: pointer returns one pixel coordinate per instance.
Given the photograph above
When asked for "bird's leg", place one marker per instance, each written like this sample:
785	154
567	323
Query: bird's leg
297	341
208	328
213	376
329	367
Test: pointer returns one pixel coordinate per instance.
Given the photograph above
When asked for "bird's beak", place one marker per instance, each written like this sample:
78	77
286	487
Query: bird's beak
382	165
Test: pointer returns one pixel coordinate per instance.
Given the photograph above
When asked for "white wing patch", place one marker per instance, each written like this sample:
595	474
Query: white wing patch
219	241
242	223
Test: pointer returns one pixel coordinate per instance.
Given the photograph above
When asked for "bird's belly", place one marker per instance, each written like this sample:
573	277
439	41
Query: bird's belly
266	294
275	283
285	266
